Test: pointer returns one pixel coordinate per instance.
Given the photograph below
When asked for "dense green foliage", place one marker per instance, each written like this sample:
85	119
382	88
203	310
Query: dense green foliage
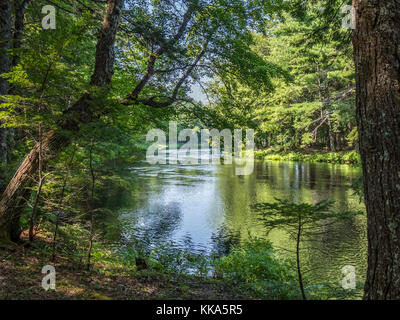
259	69
312	104
256	263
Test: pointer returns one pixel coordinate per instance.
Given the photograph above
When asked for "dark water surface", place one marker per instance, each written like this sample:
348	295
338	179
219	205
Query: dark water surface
207	207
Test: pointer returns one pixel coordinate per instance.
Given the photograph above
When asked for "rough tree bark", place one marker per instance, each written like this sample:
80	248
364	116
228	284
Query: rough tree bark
376	42
5	39
85	110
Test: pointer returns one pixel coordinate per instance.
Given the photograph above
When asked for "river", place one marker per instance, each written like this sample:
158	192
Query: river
207	208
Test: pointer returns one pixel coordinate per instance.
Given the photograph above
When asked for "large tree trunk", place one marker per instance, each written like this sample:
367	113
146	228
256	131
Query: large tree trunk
19	26
377	59
85	110
20	7
5	37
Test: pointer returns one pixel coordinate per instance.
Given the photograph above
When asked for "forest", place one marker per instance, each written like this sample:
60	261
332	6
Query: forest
315	85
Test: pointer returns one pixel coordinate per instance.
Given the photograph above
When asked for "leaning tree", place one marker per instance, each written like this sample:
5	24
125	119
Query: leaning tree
17	192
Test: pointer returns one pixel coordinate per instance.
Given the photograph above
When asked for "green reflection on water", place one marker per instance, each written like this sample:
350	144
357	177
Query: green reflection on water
191	204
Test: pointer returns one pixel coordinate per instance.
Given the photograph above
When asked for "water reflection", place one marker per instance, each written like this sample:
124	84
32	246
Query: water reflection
207	207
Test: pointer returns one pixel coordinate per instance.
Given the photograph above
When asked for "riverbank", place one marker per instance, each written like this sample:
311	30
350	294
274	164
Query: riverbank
21	278
111	276
22	281
343	157
249	272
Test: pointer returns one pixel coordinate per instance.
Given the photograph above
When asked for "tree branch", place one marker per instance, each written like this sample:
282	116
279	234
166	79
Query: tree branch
153	57
170	100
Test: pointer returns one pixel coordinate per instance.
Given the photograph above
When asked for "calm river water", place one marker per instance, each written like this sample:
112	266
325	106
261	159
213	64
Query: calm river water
207	207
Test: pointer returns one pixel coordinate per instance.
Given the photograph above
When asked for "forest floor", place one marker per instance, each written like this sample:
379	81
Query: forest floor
21	278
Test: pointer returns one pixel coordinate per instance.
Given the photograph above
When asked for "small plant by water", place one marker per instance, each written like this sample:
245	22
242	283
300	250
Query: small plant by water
300	221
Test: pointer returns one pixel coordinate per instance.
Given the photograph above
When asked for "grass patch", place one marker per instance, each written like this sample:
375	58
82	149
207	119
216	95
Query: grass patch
343	157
